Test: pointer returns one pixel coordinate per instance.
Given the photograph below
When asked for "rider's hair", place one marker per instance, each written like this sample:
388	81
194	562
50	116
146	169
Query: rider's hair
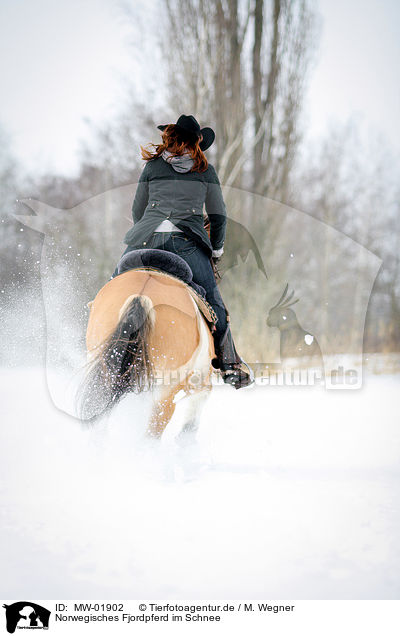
177	141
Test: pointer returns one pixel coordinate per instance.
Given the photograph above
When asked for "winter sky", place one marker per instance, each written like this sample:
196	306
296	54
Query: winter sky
62	62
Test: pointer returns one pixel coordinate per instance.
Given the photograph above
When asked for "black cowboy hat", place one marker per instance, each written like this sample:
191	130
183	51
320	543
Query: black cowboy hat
190	125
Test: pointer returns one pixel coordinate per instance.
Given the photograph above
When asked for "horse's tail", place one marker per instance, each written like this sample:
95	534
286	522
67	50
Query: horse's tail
122	363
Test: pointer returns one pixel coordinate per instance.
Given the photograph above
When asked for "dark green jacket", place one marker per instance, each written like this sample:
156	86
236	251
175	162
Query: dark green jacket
162	193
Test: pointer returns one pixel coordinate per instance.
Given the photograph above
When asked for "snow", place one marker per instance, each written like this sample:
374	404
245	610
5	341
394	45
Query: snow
290	492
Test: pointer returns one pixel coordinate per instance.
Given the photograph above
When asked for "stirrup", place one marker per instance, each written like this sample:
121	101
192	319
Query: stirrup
236	377
249	370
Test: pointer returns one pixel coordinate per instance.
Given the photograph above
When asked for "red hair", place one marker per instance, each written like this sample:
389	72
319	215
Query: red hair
177	142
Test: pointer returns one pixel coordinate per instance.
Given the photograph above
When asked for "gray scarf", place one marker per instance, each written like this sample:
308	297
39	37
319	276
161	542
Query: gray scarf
181	164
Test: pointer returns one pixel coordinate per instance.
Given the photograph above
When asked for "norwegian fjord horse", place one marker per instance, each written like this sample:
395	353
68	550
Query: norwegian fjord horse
146	332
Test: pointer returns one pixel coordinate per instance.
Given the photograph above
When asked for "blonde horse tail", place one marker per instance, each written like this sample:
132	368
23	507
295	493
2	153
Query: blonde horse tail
122	363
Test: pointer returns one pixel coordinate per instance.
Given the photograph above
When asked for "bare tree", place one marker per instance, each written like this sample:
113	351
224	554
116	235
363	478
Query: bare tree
13	242
241	65
354	188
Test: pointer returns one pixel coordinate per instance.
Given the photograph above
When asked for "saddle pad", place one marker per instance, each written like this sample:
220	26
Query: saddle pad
160	259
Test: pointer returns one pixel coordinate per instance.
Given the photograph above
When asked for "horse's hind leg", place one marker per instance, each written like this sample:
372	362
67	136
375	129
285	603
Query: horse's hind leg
163	411
189	457
190	408
193	405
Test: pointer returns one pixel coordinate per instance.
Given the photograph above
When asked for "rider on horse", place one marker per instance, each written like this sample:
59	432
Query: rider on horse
167	211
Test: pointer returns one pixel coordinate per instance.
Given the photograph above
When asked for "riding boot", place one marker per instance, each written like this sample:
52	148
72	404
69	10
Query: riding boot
229	362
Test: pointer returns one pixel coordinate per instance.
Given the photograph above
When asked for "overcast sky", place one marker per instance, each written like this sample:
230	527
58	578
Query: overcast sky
63	61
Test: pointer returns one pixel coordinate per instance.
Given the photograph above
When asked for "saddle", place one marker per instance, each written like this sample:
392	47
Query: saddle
170	264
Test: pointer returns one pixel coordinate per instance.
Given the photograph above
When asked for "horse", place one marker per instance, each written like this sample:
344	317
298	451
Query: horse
146	333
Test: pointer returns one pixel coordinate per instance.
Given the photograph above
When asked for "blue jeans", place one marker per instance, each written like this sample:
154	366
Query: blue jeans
199	263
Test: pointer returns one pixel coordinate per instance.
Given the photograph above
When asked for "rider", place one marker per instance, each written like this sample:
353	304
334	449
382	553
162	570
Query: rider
167	211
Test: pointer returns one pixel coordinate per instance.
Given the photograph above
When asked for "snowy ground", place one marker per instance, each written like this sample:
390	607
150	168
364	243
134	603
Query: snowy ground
290	493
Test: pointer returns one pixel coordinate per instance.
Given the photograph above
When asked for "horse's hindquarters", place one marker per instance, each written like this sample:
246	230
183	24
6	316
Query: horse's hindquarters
147	322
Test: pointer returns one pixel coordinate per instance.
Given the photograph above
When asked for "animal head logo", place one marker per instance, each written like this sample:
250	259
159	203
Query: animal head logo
295	342
280	315
25	615
239	245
